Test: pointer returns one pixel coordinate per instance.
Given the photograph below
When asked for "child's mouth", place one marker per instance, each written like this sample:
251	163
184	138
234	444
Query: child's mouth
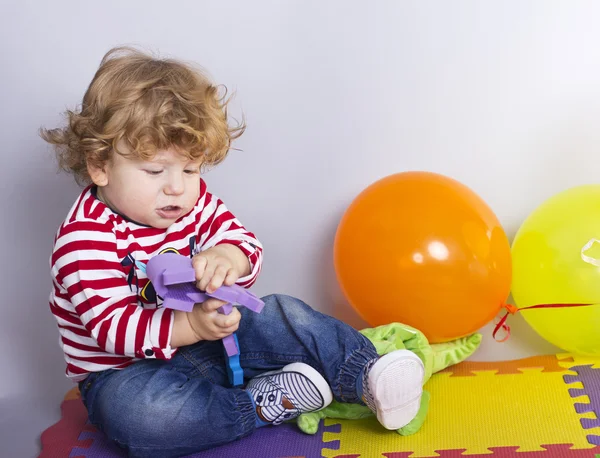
169	212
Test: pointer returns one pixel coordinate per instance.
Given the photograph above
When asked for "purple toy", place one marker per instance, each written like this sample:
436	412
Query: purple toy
174	279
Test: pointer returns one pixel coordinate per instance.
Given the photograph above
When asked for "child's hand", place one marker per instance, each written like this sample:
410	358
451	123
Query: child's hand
216	267
208	324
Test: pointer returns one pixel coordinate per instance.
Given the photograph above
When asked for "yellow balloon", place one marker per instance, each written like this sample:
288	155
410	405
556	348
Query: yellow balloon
556	260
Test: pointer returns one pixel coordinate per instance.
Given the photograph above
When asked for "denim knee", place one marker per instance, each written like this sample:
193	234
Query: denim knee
293	308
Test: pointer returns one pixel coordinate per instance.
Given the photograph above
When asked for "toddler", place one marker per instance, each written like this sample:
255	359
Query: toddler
154	380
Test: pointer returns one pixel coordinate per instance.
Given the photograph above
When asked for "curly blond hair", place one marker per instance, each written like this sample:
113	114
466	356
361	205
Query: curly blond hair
145	104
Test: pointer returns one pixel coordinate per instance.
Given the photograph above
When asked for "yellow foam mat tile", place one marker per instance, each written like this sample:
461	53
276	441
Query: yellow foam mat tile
525	410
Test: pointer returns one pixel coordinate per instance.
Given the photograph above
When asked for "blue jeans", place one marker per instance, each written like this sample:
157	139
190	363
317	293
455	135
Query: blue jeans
184	405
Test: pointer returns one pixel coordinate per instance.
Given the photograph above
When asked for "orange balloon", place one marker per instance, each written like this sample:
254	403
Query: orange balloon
423	249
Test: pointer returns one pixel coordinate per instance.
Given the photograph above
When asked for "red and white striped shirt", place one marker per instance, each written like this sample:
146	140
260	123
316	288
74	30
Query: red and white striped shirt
107	311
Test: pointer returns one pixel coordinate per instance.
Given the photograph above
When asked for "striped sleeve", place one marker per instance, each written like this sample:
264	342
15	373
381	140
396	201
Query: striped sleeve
218	225
88	274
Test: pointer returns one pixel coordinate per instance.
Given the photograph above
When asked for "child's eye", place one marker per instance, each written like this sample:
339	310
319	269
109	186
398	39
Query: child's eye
192	171
153	172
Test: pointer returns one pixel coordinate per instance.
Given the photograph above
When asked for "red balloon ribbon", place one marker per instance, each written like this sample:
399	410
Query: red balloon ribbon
512	310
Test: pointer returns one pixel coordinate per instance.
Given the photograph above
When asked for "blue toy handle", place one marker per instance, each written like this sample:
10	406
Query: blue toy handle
235	373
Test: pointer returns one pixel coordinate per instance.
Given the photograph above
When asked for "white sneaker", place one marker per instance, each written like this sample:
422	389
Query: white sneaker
286	393
393	387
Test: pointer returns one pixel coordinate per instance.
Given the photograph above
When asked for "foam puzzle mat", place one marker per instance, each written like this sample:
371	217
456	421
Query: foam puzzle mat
539	407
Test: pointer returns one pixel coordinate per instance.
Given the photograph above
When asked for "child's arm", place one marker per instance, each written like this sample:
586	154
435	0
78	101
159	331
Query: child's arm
95	298
226	245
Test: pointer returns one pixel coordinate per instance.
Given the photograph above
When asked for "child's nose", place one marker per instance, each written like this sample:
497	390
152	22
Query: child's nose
174	186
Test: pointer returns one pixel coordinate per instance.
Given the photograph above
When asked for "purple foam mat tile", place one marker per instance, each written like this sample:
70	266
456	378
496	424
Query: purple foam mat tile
284	440
93	444
589	377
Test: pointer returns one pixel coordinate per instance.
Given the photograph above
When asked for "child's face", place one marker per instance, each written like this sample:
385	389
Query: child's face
155	193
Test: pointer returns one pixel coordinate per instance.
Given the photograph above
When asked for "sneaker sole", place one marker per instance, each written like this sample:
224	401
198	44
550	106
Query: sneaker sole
396	383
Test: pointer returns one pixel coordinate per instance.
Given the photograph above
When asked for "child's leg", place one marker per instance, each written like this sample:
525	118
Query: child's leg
287	330
153	409
179	407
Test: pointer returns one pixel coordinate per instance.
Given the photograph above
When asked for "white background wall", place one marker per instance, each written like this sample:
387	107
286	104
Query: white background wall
503	96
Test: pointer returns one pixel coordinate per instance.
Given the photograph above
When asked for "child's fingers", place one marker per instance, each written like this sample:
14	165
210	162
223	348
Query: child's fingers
224	332
217	279
231	277
199	263
227	321
210	305
209	272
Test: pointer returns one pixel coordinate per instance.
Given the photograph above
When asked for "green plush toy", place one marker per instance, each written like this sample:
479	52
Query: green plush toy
386	339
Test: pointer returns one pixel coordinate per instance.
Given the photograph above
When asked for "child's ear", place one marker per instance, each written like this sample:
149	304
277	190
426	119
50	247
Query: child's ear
98	174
